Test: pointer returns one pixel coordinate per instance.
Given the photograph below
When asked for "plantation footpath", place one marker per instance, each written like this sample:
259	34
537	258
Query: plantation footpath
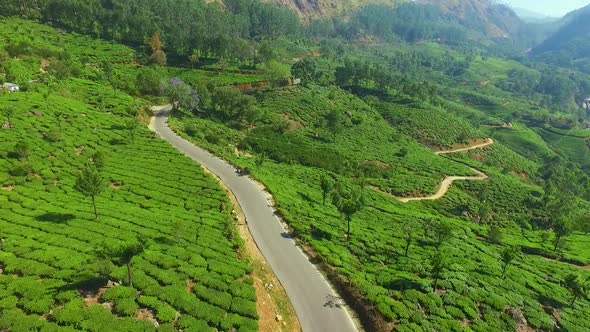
447	182
445	186
317	305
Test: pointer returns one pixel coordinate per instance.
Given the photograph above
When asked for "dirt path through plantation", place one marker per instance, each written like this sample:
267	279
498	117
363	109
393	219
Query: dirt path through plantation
487	142
447	182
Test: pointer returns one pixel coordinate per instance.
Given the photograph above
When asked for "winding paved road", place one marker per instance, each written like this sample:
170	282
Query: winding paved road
317	305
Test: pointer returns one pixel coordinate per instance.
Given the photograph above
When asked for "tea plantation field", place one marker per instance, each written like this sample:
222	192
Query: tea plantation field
472	294
191	274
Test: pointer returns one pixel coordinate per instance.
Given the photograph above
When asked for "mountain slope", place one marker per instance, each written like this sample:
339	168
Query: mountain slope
574	27
492	19
570	44
530	16
323	8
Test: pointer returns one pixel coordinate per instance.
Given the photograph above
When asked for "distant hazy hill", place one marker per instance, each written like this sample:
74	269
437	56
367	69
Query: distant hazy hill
533	17
573	38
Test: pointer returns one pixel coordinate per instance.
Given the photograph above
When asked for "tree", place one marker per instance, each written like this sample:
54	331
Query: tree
98	159
508	255
562	227
576	286
179	94
584	224
495	234
326	184
58	116
8	112
122	254
132	125
158	56
335	123
409	233
443	231
438	263
22	149
348	203
90	184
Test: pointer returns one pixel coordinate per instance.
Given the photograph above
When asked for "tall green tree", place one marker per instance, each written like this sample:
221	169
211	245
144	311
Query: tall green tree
576	285
409	231
90	184
443	232
438	263
562	227
348	203
508	255
122	254
335	123
22	149
8	112
326	184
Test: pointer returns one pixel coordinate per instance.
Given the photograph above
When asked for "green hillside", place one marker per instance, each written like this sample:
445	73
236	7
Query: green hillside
60	264
341	120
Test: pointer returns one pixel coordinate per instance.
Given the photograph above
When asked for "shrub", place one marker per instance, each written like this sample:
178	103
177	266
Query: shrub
244	307
126	306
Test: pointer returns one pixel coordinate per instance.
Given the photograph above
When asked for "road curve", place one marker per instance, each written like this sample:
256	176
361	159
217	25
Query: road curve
316	303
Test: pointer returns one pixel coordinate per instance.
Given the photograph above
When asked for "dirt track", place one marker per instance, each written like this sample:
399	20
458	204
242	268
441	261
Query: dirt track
447	182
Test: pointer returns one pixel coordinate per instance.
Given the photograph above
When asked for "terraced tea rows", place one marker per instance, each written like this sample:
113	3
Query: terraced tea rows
190	275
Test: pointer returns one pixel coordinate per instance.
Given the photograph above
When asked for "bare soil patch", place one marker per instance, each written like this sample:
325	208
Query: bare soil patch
8	188
93	298
115	185
79	150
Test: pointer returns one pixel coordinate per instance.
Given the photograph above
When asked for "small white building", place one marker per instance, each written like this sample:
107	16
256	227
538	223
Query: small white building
11	87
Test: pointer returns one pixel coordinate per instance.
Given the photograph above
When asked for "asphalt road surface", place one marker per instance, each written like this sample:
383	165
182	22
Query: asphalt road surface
317	305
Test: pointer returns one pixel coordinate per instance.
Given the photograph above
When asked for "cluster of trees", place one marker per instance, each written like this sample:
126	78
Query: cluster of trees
410	21
358	73
185	27
559	89
225	104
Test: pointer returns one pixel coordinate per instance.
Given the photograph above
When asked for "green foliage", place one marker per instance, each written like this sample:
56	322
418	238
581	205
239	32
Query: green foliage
90	184
495	234
49	257
576	286
22	150
508	255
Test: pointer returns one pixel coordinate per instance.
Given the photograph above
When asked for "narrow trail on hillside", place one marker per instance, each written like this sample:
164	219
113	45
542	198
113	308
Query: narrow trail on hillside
447	182
488	141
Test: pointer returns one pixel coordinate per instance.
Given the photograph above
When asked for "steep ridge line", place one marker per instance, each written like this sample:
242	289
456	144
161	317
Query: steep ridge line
447	182
316	303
